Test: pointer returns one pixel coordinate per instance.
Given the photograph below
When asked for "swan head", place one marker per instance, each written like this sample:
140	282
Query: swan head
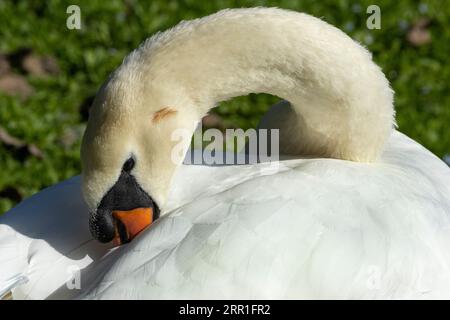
127	153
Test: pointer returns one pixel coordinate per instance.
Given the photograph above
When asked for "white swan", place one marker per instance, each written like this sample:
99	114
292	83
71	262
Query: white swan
315	228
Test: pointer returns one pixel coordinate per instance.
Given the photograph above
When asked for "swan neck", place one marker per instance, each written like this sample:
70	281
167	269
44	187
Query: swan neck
341	100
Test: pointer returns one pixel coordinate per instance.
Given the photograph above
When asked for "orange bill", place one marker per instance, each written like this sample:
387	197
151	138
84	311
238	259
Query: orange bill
130	223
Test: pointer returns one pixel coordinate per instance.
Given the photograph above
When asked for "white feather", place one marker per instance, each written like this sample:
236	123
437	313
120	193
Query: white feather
315	228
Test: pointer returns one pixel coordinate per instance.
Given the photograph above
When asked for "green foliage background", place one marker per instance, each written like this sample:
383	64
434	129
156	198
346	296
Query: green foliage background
420	75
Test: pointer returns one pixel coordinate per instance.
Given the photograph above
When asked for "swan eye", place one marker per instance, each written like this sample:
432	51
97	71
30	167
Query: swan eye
128	165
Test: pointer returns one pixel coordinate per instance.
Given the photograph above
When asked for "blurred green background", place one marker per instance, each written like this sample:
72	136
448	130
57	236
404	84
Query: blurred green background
49	74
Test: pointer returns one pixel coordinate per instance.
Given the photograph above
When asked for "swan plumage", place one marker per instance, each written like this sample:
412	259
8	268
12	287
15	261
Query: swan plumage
303	227
347	234
355	230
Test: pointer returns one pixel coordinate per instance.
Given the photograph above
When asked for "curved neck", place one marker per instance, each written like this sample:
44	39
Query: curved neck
342	101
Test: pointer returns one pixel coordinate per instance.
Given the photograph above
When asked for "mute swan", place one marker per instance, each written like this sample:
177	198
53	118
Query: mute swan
373	227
